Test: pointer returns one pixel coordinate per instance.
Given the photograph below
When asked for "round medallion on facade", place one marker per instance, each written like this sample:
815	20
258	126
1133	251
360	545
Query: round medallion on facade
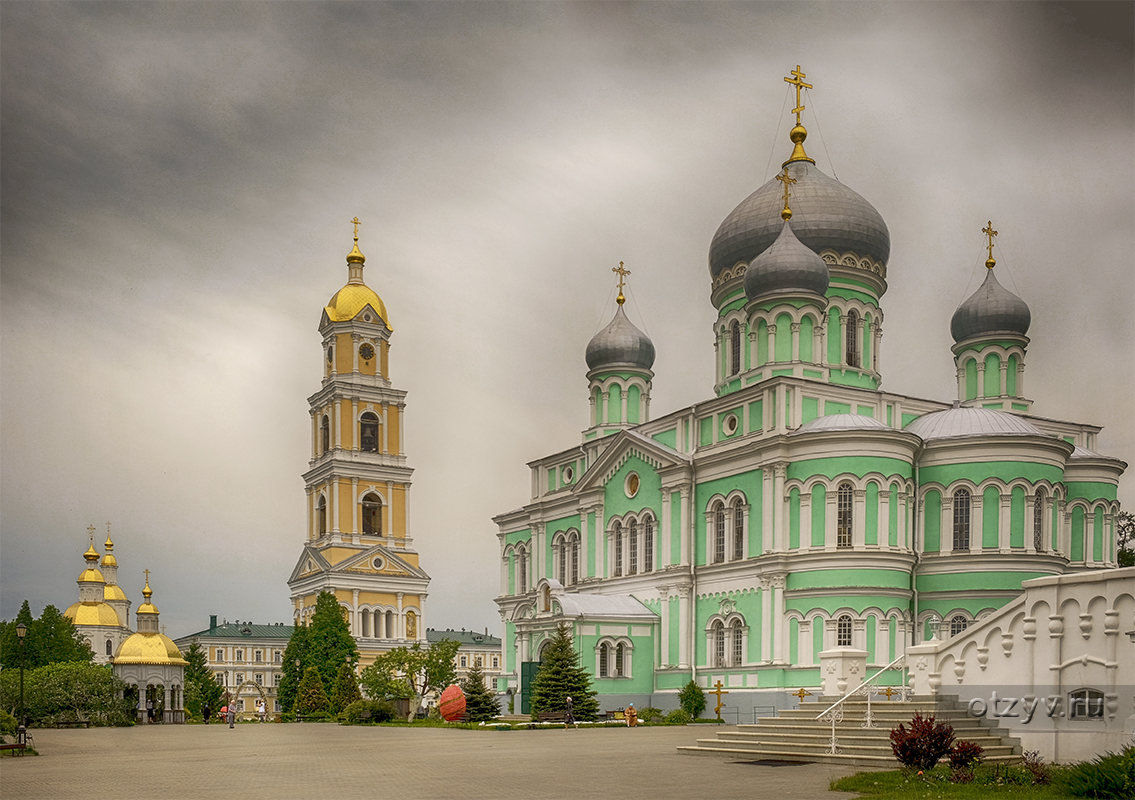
630	486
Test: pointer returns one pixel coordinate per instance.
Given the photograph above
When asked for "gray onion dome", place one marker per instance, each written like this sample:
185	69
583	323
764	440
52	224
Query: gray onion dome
620	344
825	214
991	309
786	266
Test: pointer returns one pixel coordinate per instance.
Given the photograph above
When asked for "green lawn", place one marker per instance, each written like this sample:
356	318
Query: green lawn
990	780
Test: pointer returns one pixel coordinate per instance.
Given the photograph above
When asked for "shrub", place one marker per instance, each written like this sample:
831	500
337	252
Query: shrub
364	711
964	753
1108	775
692	699
678	716
1036	767
649	714
7	724
926	741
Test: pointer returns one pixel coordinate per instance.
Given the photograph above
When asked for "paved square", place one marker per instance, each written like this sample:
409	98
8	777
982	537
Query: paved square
329	761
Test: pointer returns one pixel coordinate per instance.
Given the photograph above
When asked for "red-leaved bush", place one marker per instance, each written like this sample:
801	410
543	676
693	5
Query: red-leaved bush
923	743
965	753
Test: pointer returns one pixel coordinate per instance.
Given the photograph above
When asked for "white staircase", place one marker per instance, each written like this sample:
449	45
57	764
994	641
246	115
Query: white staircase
796	735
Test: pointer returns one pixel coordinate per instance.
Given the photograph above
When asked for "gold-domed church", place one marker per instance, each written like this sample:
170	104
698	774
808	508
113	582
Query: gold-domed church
358	546
102	615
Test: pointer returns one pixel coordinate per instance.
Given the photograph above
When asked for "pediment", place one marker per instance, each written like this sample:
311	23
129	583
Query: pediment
623	446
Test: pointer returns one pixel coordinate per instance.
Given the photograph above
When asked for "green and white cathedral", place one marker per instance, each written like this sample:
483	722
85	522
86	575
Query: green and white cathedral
800	508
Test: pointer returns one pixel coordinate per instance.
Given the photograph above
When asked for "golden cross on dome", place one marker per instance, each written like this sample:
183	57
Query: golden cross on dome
622	273
786	179
798	81
147	576
91	531
990	233
356	223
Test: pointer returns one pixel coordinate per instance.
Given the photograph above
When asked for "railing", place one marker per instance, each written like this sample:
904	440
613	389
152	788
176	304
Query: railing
834	712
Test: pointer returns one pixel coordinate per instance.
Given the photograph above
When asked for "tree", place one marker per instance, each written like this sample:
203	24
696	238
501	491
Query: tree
415	671
1125	539
295	655
50	639
346	689
310	697
480	702
560	676
329	641
67	690
692	699
201	688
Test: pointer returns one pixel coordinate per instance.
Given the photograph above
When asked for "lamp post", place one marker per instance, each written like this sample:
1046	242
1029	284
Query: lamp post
22	733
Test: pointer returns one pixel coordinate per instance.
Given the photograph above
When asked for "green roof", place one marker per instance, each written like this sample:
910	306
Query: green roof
464	637
249	630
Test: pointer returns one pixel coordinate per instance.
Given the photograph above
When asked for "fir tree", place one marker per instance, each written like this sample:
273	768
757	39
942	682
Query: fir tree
201	688
346	689
480	703
560	676
310	697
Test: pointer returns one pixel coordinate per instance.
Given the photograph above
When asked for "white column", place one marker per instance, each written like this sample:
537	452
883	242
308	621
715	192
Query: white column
356	443
884	534
980	377
356	621
779	649
354	506
946	525
1004	541
795	341
399	622
1021	378
766	620
384	415
684	627
336	415
687	527
976	521
831	518
961	383
859	518
664	652
334	489
771	343
422	617
768	531
665	528
805	515
1004	382
780	517
388	511
314	433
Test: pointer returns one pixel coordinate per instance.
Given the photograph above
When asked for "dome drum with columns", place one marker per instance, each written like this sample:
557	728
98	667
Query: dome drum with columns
801	508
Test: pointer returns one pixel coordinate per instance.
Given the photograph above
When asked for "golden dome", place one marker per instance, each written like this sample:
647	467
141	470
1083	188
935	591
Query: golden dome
112	592
98	614
149	648
351	299
109	560
91	574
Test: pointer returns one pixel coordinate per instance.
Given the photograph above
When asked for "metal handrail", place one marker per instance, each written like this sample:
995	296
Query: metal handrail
834	712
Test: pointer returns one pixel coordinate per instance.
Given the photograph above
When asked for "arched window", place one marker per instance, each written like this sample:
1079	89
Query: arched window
411	625
573	547
321	515
719	644
620	654
368	432
546	599
843	515
604	659
325	434
1038	521
618	549
109	652
648	545
561	562
1085	703
372	515
735	348
738	643
843	631
961	519
958	624
738	529
522	568
632	548
850	337
718	533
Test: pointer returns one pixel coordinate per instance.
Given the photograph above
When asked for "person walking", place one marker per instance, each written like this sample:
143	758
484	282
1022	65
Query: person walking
206	712
569	715
261	709
232	714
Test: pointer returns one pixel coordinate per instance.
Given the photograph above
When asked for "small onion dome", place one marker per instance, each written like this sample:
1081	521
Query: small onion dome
842	422
147	607
109	560
96	614
956	423
786	266
91	573
620	344
825	214
991	309
149	648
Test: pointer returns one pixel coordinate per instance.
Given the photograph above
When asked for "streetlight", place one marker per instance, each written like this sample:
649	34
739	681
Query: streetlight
22	733
294	710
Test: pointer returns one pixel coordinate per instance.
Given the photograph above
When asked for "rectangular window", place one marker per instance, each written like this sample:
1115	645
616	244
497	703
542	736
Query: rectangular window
278	657
633	550
738	531
276	679
496	662
258	656
843	515
618	552
259	679
239	678
477	661
464	662
239	655
719	534
961	519
279	707
220	655
220	676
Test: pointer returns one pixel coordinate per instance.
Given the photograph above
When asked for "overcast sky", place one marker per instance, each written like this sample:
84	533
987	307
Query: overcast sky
178	180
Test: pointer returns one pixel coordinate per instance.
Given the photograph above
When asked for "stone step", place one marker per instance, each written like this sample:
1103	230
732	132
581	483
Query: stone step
821	745
858	737
773	753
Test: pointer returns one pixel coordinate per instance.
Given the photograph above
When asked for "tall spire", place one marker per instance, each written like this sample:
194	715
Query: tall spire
799	133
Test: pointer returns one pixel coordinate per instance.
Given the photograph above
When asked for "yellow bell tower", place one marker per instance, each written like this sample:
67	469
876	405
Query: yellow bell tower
358	546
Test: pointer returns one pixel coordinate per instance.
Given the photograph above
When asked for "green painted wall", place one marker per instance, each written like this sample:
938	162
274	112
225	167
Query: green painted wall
705	431
856	465
932	522
1097	536
762	343
1017	517
893	520
857	602
1011	376
809	409
975	581
872	508
1077	534
841	578
749	483
806	332
615	404
819	510
592	545
668	438
634	394
990	515
833	407
783	338
971	379
1006	471
1090	490
992	375
794	519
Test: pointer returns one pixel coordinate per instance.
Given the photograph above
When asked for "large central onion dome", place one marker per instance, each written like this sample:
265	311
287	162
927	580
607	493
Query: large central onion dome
787	266
826	214
991	309
620	344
